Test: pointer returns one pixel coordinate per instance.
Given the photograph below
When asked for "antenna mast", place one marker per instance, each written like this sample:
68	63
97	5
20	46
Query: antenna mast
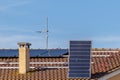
47	33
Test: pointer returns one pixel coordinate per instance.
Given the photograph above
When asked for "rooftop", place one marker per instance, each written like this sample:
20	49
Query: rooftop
57	67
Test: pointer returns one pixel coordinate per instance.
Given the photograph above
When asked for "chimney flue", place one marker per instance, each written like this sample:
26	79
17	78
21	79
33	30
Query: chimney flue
24	57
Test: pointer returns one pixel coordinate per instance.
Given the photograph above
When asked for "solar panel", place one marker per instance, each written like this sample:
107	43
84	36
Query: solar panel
79	59
34	52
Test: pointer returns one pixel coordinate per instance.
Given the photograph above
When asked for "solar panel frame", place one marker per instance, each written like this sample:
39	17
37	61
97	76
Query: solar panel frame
90	45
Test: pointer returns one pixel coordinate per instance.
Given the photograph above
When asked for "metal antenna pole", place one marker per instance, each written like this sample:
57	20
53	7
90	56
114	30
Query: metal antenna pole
47	36
47	33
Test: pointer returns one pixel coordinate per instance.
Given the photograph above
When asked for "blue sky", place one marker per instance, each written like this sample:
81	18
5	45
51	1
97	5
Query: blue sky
96	20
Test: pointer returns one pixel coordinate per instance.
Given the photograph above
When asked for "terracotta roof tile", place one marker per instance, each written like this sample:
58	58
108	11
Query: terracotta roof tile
99	67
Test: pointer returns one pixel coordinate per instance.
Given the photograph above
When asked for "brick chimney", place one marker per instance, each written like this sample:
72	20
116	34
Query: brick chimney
24	57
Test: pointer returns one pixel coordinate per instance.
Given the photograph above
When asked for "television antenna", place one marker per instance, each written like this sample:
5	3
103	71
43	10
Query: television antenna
47	34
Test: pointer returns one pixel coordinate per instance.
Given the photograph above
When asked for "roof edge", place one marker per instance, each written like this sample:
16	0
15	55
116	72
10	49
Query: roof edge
110	74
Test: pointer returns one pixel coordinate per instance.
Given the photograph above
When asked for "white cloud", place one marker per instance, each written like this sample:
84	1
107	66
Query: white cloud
107	39
11	41
8	6
16	28
36	41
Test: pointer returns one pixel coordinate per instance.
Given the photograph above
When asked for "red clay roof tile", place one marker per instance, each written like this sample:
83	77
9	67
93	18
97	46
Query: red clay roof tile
99	67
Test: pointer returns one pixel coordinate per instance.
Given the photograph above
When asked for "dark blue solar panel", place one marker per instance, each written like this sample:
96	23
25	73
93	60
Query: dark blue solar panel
77	75
8	53
79	59
34	52
80	42
80	46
